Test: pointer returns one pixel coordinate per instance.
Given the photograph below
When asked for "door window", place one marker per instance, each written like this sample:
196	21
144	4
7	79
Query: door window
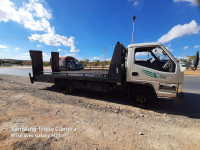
154	58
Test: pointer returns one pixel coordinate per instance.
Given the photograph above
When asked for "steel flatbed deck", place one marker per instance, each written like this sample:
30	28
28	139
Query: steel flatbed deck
86	75
98	79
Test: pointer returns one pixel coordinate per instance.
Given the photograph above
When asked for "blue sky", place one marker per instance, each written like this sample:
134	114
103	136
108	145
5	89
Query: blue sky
84	28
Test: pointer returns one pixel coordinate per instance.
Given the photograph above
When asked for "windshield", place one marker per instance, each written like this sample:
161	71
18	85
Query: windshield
77	62
160	54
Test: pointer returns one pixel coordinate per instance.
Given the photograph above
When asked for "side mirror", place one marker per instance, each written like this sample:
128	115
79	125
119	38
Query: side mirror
196	61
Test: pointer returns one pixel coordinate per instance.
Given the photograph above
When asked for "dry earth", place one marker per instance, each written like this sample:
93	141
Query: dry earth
192	72
103	121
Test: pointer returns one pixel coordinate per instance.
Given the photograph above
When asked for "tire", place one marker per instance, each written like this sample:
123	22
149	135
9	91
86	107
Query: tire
69	88
64	86
60	86
143	96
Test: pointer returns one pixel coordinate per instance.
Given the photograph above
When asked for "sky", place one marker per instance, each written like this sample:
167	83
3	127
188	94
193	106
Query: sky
84	29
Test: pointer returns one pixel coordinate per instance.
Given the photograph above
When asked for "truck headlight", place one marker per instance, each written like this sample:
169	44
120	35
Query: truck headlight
180	88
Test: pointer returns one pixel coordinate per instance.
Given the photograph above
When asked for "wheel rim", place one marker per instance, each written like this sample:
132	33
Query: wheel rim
68	90
141	98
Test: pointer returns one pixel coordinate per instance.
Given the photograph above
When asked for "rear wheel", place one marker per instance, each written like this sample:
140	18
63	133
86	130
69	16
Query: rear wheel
59	85
65	86
69	88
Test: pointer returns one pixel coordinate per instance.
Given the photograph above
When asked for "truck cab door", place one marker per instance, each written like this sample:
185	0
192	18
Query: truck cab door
156	66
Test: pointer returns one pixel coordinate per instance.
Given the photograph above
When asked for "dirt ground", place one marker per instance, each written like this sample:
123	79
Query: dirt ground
192	72
103	121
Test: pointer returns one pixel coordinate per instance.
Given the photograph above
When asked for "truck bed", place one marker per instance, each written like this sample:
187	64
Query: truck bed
87	71
92	75
115	74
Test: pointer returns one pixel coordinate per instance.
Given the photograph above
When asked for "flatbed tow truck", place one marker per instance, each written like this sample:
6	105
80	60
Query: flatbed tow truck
147	71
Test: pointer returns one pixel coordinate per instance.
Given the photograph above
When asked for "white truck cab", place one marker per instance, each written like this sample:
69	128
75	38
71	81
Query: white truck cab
153	64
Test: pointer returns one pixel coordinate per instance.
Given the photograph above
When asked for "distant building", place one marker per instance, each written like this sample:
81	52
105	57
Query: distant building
6	64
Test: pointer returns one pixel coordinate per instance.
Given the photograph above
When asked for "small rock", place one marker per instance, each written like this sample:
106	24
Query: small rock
141	115
140	133
57	112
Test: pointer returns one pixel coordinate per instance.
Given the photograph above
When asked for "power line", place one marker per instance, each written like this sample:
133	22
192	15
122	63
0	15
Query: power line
91	46
14	37
26	39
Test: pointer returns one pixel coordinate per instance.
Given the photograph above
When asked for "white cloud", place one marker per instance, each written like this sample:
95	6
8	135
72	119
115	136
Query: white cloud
66	53
2	46
55	40
45	54
30	16
70	54
179	31
34	16
197	46
16	49
109	59
135	2
186	47
192	2
168	47
39	45
38	9
95	58
7	50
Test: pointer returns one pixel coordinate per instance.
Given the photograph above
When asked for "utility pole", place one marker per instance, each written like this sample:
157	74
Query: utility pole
1	57
35	42
104	54
133	27
104	57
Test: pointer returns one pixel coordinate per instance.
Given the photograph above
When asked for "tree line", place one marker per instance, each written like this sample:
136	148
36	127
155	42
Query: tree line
86	62
187	61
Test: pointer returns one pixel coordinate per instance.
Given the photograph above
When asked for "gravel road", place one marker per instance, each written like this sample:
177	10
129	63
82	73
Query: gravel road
100	120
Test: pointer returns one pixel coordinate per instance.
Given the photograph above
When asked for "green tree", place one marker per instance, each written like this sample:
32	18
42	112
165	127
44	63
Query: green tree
96	63
45	64
84	62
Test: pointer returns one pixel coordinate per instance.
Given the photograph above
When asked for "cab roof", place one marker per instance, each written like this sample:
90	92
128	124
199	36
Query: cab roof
144	45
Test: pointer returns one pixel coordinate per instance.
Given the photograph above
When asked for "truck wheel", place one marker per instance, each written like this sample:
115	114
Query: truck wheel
69	89
143	95
59	85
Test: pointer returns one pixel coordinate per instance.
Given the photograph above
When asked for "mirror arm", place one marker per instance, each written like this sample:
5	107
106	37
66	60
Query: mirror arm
193	68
